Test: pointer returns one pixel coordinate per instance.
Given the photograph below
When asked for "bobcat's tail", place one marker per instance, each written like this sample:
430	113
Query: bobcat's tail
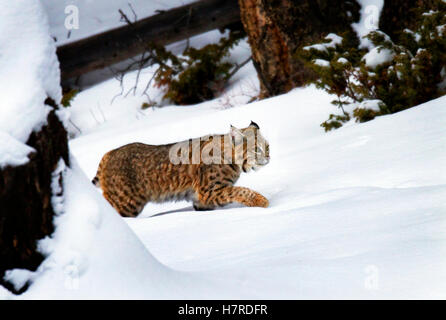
97	179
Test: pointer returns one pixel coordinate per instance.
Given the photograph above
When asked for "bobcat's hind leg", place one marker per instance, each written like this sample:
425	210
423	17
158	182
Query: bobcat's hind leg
127	209
217	198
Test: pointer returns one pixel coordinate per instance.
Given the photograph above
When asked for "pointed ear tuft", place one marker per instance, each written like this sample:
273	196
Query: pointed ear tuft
255	125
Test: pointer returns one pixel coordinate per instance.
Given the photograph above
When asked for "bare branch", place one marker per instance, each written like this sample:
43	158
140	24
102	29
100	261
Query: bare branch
237	68
135	17
125	18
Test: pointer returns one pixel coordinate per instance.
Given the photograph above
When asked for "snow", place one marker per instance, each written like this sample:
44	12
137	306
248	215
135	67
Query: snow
94	254
84	253
355	213
99	15
335	40
430	13
362	198
321	63
378	56
29	74
416	36
12	152
371	104
369	21
4	294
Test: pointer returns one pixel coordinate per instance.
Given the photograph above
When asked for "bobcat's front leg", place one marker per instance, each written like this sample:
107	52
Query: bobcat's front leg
247	197
216	198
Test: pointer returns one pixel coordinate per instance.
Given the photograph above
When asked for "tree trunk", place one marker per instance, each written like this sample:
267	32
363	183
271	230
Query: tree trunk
26	212
398	15
277	28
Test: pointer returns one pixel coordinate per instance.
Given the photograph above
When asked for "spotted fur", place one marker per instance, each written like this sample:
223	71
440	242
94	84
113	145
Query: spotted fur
137	173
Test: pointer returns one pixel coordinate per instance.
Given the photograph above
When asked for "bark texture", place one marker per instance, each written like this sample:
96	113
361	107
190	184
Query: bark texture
398	15
26	212
277	28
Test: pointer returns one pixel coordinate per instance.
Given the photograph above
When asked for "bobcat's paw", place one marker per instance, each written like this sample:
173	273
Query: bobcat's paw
198	207
260	201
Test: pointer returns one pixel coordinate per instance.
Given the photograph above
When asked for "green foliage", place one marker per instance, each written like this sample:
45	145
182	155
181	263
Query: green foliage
413	70
68	96
335	121
365	114
198	74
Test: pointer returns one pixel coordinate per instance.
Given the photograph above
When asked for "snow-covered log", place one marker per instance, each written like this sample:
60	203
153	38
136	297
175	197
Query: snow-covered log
33	139
110	47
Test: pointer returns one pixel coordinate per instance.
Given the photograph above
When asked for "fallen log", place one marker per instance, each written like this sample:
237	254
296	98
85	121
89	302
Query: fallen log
110	47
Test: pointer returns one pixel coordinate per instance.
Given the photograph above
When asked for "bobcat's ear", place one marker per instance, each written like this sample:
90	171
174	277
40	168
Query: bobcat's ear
236	134
255	125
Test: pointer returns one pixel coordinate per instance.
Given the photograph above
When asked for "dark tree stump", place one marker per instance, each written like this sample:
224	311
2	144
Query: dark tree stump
26	213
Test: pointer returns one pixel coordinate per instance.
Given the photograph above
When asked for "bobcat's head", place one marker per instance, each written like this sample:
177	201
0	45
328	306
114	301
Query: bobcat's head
250	146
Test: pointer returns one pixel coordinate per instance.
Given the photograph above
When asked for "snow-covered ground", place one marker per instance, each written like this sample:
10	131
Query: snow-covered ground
356	213
359	212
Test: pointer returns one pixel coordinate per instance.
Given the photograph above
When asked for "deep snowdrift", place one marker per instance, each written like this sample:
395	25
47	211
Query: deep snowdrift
355	213
93	254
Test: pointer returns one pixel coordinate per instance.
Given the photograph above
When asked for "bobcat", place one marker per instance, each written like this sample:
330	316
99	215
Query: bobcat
204	172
